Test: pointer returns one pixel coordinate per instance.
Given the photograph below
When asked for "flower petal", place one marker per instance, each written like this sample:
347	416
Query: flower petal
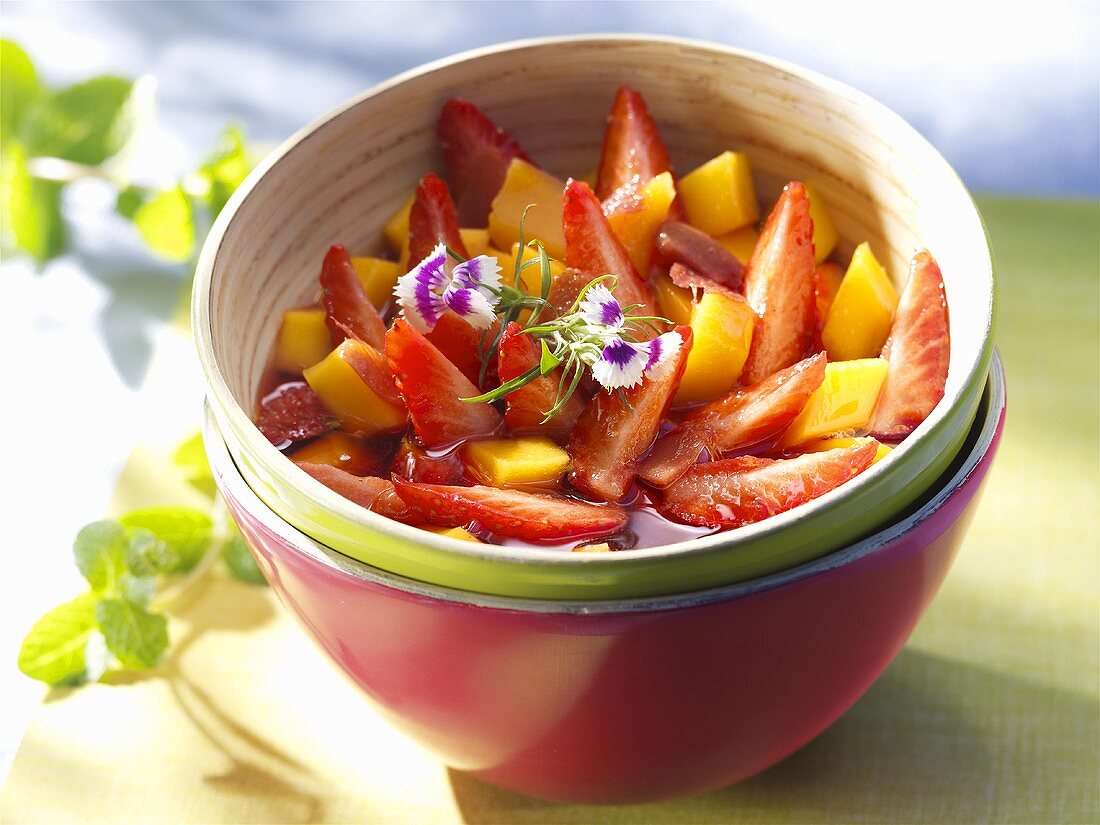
471	305
621	364
600	309
661	353
482	271
417	291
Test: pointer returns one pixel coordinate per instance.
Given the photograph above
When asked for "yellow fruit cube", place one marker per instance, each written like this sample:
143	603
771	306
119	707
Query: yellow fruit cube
722	327
378	277
674	302
602	547
339	450
741	242
825	234
348	397
863	310
823	444
460	533
842	404
397	229
476	241
505	462
636	229
525	185
532	275
304	339
719	196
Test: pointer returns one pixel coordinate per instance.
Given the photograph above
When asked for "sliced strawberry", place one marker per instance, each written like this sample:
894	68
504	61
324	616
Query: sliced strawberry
827	278
293	412
432	219
740	491
477	152
685	244
413	463
375	494
511	513
919	352
633	152
432	388
690	279
779	285
565	288
373	370
744	417
526	407
461	343
615	430
592	248
350	314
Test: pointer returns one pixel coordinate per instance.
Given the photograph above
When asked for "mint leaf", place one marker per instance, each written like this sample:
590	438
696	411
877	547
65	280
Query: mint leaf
240	562
30	208
135	636
190	457
138	589
100	551
85	123
186	532
19	88
167	223
54	650
226	168
147	555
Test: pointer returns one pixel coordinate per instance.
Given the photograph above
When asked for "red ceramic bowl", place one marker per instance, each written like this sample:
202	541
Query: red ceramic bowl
624	701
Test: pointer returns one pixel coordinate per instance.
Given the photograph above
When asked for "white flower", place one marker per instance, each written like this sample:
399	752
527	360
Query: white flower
623	363
433	286
600	309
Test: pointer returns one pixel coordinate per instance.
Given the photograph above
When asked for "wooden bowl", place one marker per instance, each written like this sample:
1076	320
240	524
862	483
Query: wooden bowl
341	178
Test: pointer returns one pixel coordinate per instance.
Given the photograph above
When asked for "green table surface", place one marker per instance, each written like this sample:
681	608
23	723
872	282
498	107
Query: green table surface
991	713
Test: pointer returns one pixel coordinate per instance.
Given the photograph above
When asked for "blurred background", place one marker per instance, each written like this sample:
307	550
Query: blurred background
1011	97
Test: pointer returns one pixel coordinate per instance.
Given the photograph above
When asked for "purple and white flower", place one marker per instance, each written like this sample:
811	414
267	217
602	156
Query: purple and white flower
470	288
601	310
623	363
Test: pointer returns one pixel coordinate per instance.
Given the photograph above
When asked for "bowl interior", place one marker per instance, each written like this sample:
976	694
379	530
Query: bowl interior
341	179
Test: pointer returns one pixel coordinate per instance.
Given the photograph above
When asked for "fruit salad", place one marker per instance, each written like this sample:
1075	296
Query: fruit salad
622	360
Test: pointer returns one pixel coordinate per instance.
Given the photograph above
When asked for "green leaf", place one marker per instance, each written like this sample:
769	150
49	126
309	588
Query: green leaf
548	362
129	200
19	88
185	531
54	650
135	636
138	589
85	123
240	562
167	223
226	168
147	555
30	208
190	457
100	551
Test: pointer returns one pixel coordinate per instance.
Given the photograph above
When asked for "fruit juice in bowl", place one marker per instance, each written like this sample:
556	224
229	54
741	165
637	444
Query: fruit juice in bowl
707	374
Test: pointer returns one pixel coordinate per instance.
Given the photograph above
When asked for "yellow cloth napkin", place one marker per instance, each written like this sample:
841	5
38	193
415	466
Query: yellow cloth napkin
990	714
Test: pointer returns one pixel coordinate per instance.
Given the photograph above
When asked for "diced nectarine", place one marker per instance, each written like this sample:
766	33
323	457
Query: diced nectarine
602	547
860	317
397	229
378	278
719	196
674	302
526	185
506	462
348	397
350	454
842	404
636	229
740	242
460	533
824	444
722	325
304	340
825	234
476	241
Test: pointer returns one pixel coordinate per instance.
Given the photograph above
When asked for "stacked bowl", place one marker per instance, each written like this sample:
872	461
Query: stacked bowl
622	676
